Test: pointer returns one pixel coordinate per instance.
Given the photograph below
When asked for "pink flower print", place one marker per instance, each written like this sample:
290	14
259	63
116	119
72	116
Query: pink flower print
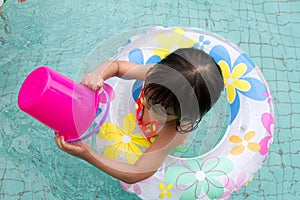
269	97
229	186
267	120
136	186
232	187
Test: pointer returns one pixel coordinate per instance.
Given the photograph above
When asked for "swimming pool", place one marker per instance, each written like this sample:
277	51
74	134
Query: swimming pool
60	34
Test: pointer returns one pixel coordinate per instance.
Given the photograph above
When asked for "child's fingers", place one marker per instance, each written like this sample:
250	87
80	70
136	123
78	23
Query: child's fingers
96	86
65	145
70	147
61	143
58	141
85	79
88	80
99	84
93	82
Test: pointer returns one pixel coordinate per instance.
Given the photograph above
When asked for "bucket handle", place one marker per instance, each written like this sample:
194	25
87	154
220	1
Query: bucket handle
97	127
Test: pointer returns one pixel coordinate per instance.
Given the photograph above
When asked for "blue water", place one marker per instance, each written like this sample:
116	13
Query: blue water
61	33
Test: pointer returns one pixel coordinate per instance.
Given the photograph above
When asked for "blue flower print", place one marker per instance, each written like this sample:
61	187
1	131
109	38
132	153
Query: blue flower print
236	81
202	43
136	55
124	45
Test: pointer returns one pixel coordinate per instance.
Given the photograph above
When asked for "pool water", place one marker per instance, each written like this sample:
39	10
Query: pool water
61	34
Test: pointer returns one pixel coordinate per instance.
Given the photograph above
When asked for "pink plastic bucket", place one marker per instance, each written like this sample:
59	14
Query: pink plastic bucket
60	103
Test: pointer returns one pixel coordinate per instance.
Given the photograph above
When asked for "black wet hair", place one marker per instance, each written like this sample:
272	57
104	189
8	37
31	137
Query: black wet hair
189	82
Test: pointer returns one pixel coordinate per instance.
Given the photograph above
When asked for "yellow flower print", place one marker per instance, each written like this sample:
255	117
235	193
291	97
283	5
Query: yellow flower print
232	80
171	43
165	190
243	143
123	140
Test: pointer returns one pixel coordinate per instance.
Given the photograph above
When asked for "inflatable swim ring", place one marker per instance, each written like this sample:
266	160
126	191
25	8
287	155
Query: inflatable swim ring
232	162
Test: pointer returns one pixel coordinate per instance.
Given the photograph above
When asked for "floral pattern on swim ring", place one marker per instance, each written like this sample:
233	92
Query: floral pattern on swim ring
235	79
165	190
202	43
136	186
171	43
136	56
124	45
244	143
197	178
235	186
269	96
268	122
123	140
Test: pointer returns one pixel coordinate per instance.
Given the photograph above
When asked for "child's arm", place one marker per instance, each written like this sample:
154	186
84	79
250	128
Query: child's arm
146	166
151	159
108	69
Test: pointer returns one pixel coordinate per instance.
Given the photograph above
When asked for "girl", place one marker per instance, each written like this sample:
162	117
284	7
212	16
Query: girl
177	92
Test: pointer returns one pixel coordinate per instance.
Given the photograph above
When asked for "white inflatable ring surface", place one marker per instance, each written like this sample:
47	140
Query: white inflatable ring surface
233	161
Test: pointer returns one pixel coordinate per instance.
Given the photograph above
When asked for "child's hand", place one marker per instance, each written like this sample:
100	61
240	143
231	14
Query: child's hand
78	149
92	81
